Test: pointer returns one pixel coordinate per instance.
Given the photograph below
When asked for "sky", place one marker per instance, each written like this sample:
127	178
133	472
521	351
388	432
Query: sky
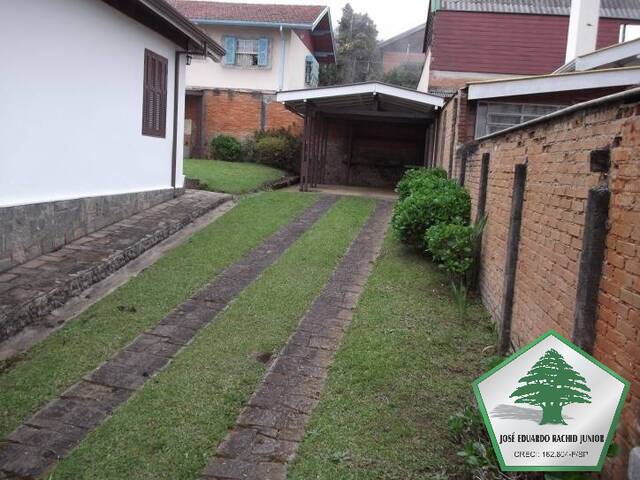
391	17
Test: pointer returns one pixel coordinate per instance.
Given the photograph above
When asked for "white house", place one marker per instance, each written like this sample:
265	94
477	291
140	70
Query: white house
269	48
92	109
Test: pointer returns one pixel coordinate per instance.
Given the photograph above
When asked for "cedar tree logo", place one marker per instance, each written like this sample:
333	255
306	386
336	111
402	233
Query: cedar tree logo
551	384
551	407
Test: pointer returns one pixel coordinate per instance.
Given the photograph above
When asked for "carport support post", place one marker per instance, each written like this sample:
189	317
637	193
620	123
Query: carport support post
511	264
304	163
590	273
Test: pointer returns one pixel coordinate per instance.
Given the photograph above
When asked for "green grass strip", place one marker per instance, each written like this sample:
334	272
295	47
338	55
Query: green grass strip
406	365
172	427
104	328
231	177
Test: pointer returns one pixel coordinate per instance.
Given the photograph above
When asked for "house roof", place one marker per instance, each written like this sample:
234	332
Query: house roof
400	36
627	9
300	16
313	18
163	18
619	55
563	82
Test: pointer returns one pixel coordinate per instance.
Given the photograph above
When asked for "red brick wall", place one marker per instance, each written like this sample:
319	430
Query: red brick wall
280	117
558	180
240	113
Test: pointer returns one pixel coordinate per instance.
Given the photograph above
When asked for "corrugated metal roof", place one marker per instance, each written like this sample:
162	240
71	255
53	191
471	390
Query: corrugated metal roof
625	9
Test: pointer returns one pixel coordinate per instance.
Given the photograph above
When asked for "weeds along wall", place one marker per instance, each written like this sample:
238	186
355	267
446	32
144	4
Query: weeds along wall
561	170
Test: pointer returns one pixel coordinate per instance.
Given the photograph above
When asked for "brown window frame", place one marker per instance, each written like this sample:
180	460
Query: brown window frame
154	97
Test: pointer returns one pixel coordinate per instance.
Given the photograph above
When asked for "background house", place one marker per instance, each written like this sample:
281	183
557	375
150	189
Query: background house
269	48
471	40
407	47
93	137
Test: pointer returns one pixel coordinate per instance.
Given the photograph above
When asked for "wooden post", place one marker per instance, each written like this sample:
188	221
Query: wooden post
323	156
590	273
511	264
349	152
427	146
484	181
304	163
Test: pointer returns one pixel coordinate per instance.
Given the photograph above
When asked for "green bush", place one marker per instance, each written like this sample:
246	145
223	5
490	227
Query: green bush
436	201
451	246
277	148
226	148
418	178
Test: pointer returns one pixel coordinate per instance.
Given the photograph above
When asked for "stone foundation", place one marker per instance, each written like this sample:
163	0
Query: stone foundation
28	231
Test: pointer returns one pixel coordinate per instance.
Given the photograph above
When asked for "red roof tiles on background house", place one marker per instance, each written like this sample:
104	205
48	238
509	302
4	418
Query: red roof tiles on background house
247	12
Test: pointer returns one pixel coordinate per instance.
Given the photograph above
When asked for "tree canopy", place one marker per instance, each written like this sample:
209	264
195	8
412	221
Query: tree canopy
358	55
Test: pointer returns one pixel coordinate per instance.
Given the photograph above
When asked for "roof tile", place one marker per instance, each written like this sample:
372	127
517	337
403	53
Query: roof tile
268	13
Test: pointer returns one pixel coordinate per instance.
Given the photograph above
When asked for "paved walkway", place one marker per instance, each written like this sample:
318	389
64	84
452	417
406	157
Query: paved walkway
270	428
35	447
30	291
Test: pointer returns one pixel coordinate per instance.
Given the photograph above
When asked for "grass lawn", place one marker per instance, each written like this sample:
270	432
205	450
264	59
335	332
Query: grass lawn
404	367
61	360
231	177
170	429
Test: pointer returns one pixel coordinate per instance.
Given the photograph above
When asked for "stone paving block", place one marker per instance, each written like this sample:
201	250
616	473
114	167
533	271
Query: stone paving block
259	417
115	375
71	412
100	396
23	461
221	468
237	442
324	343
154	345
43	439
139	363
174	333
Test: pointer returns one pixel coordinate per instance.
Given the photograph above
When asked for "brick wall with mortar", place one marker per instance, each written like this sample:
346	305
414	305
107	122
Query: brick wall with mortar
557	152
28	231
239	113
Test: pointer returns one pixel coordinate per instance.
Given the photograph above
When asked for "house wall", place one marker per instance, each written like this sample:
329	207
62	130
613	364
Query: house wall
392	60
518	44
205	73
72	104
559	177
72	153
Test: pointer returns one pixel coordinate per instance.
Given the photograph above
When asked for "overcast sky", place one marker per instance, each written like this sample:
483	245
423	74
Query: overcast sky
391	17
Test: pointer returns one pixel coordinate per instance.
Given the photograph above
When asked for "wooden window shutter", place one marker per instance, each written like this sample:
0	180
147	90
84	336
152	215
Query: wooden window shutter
263	52
230	43
154	99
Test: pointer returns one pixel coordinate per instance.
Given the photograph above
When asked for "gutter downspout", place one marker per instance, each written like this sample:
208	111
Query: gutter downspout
176	90
282	53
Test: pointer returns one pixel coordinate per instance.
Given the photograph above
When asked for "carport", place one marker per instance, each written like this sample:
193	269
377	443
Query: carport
363	135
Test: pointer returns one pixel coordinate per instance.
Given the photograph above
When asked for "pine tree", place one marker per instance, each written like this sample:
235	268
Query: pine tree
551	384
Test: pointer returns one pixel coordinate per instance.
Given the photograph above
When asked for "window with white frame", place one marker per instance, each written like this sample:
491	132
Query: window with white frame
629	32
311	71
494	117
247	52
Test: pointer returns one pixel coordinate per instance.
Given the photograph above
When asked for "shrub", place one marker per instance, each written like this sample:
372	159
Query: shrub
224	147
437	201
451	246
277	148
418	178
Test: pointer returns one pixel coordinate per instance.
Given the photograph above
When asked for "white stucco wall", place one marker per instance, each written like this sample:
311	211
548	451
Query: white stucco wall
208	74
71	103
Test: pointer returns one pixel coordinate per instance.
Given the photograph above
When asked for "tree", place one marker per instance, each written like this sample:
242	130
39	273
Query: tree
406	75
551	384
358	55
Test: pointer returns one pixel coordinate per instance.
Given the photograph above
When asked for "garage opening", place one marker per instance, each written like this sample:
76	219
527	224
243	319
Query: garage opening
363	135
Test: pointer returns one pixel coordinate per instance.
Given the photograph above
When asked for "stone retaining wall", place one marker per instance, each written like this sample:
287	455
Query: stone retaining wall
28	231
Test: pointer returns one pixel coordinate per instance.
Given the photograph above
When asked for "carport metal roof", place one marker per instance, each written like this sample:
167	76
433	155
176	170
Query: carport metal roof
371	99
